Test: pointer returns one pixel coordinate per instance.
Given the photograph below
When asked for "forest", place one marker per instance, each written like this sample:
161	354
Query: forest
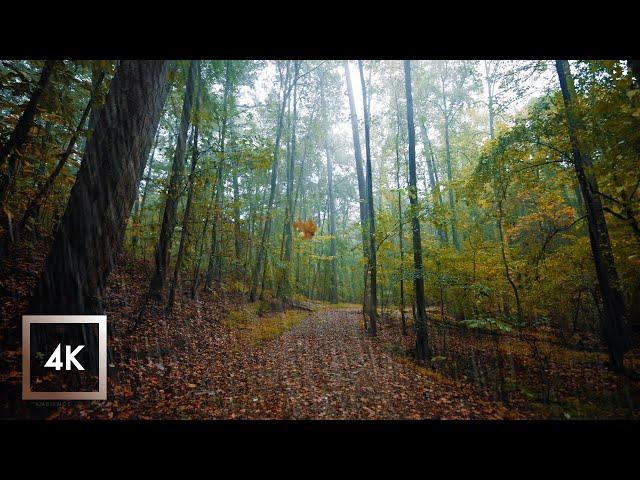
329	239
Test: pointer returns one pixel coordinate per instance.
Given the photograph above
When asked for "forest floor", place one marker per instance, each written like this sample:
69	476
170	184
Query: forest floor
217	357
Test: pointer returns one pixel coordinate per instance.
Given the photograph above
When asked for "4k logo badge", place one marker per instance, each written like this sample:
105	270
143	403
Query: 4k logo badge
64	357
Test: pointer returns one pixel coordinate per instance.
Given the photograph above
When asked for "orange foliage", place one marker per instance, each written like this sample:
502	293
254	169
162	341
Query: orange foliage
308	228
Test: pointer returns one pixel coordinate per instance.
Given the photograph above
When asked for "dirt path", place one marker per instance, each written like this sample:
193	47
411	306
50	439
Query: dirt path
327	368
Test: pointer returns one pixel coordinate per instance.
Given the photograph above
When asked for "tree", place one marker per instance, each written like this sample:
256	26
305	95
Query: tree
400	220
433	178
283	290
614	328
373	269
455	81
25	122
215	267
184	236
139	205
286	84
169	218
11	151
34	205
362	195
422	341
90	234
333	250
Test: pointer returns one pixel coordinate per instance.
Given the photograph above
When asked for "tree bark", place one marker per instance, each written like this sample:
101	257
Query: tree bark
422	341
90	234
614	328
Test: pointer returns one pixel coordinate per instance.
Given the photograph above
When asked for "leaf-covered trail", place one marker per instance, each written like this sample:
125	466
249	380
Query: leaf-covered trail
192	366
327	368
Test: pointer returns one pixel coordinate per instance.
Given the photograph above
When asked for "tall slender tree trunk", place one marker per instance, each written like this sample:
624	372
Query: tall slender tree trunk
143	201
373	268
198	262
400	221
433	178
284	287
299	185
236	215
362	195
11	151
422	342
333	248
90	234
452	202
169	220
25	122
214	268
35	204
490	97
505	263
634	66
614	328
266	232
184	237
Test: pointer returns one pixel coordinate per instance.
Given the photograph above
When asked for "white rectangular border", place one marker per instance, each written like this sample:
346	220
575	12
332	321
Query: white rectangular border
27	394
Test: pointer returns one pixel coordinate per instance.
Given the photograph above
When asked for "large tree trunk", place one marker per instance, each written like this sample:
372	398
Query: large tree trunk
362	196
163	248
422	343
97	72
91	231
187	211
614	328
373	268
